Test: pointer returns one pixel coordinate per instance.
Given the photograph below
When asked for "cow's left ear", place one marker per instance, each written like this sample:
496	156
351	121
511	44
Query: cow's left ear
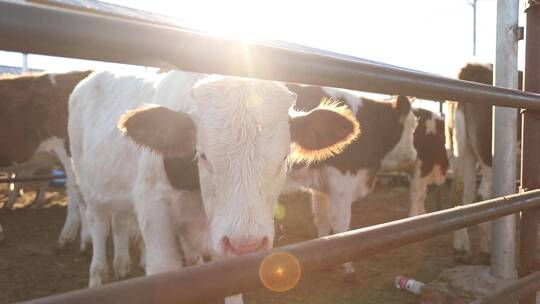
321	132
167	132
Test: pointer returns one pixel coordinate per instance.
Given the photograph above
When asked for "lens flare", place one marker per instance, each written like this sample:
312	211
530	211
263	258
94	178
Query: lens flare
279	212
280	271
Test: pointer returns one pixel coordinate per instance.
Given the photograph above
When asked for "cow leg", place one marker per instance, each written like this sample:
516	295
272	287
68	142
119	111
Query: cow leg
99	225
160	239
485	193
40	195
419	187
85	234
142	254
236	299
342	192
73	218
121	226
13	194
464	180
320	207
462	245
2	236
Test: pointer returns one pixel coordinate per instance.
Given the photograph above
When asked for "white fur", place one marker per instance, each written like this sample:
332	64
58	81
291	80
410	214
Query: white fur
404	152
242	129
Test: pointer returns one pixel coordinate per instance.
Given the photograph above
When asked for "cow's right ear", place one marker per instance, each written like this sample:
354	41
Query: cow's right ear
167	132
402	106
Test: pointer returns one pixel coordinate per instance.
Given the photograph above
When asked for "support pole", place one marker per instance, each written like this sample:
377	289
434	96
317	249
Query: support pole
530	155
474	3
24	63
504	147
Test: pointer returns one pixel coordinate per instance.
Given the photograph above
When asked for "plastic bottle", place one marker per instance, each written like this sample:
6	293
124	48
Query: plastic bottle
404	282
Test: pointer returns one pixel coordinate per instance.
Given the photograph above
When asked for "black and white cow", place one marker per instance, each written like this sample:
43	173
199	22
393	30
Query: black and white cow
386	134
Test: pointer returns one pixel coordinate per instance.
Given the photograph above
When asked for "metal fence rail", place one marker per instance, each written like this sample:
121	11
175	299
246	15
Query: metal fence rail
52	31
206	282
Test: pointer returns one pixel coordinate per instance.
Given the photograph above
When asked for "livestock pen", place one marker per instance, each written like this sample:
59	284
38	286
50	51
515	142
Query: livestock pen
52	31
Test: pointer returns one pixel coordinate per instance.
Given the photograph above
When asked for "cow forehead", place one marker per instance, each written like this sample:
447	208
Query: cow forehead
243	105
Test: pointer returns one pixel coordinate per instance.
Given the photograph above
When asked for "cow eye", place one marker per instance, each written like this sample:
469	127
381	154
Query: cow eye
204	161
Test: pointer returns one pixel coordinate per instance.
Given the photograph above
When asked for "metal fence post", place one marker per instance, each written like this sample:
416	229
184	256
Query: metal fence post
504	147
530	156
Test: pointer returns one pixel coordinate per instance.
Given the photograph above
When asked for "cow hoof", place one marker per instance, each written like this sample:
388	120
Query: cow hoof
462	257
122	268
350	277
99	275
484	258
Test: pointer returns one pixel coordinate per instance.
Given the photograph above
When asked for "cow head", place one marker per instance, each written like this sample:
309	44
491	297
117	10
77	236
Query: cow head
403	153
243	133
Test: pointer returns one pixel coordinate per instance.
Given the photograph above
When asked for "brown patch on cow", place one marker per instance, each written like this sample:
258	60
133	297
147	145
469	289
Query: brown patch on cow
33	110
430	146
182	172
478	118
167	132
322	132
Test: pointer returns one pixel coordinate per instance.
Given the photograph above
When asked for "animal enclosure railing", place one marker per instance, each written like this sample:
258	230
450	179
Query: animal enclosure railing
205	283
52	31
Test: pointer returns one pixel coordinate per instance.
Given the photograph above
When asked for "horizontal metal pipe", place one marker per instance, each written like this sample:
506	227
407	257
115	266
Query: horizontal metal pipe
222	278
53	31
514	292
30	179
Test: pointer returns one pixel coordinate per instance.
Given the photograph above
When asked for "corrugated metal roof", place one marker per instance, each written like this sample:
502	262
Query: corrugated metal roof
6	69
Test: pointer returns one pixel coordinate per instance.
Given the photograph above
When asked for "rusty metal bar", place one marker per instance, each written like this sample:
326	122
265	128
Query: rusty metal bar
206	282
530	154
514	291
59	32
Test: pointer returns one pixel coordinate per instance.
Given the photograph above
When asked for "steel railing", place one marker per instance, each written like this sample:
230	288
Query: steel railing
227	277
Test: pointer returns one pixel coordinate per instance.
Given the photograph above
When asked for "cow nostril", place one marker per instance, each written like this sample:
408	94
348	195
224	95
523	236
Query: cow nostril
244	245
264	243
226	243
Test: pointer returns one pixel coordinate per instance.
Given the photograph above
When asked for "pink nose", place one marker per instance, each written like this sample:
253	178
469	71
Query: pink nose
244	245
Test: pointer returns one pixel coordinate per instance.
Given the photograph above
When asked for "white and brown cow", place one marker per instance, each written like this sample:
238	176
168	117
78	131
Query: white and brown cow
468	142
386	131
227	138
33	120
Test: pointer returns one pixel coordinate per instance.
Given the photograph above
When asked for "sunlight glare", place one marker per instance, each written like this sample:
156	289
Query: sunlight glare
280	271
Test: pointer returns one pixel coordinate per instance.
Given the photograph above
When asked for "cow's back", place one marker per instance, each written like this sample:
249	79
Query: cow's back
104	161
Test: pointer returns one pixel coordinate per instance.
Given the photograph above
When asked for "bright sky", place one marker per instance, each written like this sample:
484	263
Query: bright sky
428	35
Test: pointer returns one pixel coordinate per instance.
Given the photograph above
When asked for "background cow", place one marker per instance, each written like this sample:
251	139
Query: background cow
468	128
431	164
233	135
387	131
34	120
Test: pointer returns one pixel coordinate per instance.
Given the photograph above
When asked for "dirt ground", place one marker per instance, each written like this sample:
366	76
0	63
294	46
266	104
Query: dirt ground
30	267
